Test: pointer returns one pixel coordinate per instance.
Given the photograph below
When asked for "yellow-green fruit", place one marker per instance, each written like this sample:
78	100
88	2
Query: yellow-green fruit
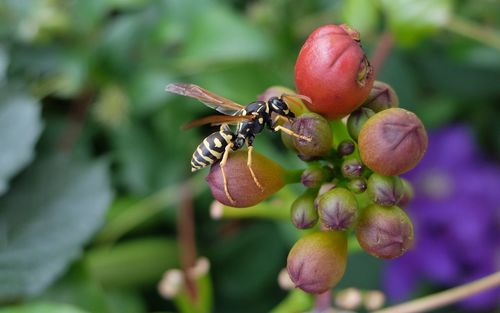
317	261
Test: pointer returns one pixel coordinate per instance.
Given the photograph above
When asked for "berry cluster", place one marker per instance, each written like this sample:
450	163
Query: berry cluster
351	181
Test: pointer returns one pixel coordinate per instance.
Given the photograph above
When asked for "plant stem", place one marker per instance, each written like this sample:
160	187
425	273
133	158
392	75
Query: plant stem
339	131
445	297
323	302
474	31
293	176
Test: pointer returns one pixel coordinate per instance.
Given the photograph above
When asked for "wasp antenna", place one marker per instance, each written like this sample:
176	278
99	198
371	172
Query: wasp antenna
303	97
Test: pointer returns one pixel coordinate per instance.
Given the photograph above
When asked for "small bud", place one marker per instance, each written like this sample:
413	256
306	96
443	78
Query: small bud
313	177
349	298
373	299
294	104
240	183
346	147
381	97
384	232
392	141
317	128
408	193
385	190
303	213
317	261
337	209
351	168
357	185
356	121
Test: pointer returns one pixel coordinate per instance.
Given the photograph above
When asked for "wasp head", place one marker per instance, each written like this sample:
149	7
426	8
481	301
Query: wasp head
278	106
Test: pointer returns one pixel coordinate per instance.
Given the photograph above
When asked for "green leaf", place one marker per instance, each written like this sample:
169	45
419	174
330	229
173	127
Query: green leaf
241	41
20	127
42	307
133	263
411	21
51	212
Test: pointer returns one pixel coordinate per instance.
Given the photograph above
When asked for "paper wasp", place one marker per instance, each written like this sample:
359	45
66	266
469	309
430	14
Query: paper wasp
250	121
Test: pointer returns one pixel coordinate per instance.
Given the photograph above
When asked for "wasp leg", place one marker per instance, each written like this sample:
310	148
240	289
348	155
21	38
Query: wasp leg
286	130
249	164
291	133
222	164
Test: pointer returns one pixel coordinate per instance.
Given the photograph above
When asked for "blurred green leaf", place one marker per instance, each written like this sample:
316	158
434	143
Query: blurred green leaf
241	41
50	213
411	21
133	263
42	307
4	63
125	301
20	127
77	288
362	15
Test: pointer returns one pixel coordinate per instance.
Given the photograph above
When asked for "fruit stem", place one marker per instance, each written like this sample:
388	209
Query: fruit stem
339	131
445	297
293	176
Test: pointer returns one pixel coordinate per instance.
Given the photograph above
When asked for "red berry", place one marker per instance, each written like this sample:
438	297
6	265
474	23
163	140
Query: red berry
333	71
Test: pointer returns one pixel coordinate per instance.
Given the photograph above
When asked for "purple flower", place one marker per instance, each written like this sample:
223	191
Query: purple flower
456	217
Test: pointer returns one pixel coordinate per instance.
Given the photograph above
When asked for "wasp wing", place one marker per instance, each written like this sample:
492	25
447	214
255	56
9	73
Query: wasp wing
219	119
221	104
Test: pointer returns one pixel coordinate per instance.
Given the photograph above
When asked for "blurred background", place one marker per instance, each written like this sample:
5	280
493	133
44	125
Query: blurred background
94	169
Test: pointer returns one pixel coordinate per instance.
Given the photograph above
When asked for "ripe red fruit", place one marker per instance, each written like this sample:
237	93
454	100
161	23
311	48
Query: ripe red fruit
333	71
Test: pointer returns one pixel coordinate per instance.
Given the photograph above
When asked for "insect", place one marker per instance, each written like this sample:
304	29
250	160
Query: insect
250	120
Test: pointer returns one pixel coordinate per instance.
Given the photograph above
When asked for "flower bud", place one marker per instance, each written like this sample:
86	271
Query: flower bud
303	213
392	141
294	104
408	193
384	232
317	261
346	147
314	177
356	121
351	168
333	71
385	190
317	128
357	185
241	186
381	97
337	209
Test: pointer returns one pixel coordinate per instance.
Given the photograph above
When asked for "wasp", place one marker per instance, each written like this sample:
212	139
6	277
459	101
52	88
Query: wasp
250	120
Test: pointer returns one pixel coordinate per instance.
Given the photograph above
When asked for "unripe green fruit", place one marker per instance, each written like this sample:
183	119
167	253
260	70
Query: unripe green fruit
317	128
241	185
385	190
337	209
314	177
357	185
381	97
408	193
351	168
392	141
384	232
356	120
345	148
317	261
303	213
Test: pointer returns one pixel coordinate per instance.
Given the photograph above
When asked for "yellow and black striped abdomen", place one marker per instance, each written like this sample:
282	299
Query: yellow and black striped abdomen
210	150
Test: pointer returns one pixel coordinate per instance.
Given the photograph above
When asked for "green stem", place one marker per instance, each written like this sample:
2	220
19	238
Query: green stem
296	301
143	211
339	131
293	176
487	36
